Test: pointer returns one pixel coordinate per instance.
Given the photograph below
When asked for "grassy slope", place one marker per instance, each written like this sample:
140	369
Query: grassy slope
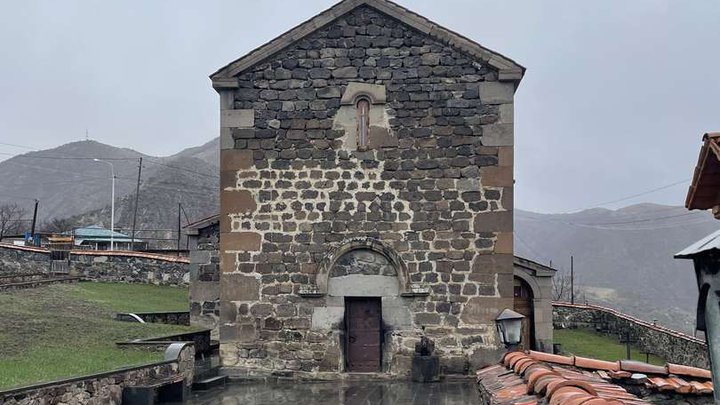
587	343
61	331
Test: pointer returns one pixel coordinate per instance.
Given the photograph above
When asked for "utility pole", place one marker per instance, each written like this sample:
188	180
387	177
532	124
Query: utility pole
32	230
572	280
627	344
187	222
137	199
112	203
178	228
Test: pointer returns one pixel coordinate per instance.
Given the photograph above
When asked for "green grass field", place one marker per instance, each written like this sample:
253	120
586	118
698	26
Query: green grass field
66	330
588	343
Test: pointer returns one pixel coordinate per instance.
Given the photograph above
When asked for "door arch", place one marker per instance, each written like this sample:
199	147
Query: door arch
523	298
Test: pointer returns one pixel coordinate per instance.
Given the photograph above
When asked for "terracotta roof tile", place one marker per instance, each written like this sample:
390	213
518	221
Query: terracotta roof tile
700	388
526	378
681	386
640	367
584	362
678	369
552	358
660	384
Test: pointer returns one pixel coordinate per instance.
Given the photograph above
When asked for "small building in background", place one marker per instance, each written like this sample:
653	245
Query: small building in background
532	297
95	237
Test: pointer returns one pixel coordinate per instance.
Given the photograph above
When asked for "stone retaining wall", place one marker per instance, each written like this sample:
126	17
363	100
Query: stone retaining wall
671	345
106	388
131	267
37	283
21	260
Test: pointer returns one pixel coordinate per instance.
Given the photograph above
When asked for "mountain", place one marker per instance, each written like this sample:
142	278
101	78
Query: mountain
70	184
622	258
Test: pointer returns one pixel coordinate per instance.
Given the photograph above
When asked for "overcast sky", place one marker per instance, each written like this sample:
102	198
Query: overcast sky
615	99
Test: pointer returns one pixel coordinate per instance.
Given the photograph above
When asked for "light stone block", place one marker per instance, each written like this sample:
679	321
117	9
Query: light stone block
496	92
226	139
359	285
375	92
396	313
507	113
324	318
497	135
237	118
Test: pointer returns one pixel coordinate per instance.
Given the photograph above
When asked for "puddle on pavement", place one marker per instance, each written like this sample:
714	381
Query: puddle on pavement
341	393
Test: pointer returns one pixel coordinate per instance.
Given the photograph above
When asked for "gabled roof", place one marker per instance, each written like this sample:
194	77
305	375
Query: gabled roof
535	267
96	232
704	192
508	70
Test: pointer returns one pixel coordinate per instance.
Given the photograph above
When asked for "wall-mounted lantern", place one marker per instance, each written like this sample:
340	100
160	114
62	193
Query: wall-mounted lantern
509	325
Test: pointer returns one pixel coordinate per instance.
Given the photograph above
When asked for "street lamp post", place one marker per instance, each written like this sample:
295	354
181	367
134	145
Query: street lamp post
112	204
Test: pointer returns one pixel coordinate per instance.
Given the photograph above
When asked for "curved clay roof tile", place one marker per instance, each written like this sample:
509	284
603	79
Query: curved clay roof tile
585	386
522	364
535	378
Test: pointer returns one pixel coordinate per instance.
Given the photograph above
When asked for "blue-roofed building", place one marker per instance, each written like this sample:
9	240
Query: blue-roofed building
96	237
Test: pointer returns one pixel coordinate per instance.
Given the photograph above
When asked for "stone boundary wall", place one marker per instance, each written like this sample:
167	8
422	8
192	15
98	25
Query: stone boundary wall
132	267
37	283
106	388
673	346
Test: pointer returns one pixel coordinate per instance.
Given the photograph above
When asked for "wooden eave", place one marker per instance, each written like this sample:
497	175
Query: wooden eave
704	191
508	70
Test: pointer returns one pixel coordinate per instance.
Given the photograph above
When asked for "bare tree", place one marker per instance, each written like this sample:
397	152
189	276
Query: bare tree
562	286
59	225
11	219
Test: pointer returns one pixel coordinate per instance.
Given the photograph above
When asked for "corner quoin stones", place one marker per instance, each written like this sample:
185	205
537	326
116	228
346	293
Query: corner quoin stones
428	203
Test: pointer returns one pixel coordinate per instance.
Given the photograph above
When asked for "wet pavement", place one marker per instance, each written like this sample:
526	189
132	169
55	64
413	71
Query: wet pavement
342	393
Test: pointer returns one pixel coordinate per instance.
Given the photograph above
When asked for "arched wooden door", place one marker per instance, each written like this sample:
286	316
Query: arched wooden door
523	304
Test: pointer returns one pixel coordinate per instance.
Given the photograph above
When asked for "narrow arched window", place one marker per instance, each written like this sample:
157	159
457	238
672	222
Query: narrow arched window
363	120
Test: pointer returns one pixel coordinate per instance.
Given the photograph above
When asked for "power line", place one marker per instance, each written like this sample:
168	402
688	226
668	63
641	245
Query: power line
604	226
17	146
182	168
599	205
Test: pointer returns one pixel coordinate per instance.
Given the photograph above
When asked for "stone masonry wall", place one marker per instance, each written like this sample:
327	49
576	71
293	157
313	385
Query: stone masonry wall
130	269
673	346
205	279
15	260
434	188
100	266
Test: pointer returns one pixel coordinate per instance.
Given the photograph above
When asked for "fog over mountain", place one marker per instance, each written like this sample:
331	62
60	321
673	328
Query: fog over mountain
623	258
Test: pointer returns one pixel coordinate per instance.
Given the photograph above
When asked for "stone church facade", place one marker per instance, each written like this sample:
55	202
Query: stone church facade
366	196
